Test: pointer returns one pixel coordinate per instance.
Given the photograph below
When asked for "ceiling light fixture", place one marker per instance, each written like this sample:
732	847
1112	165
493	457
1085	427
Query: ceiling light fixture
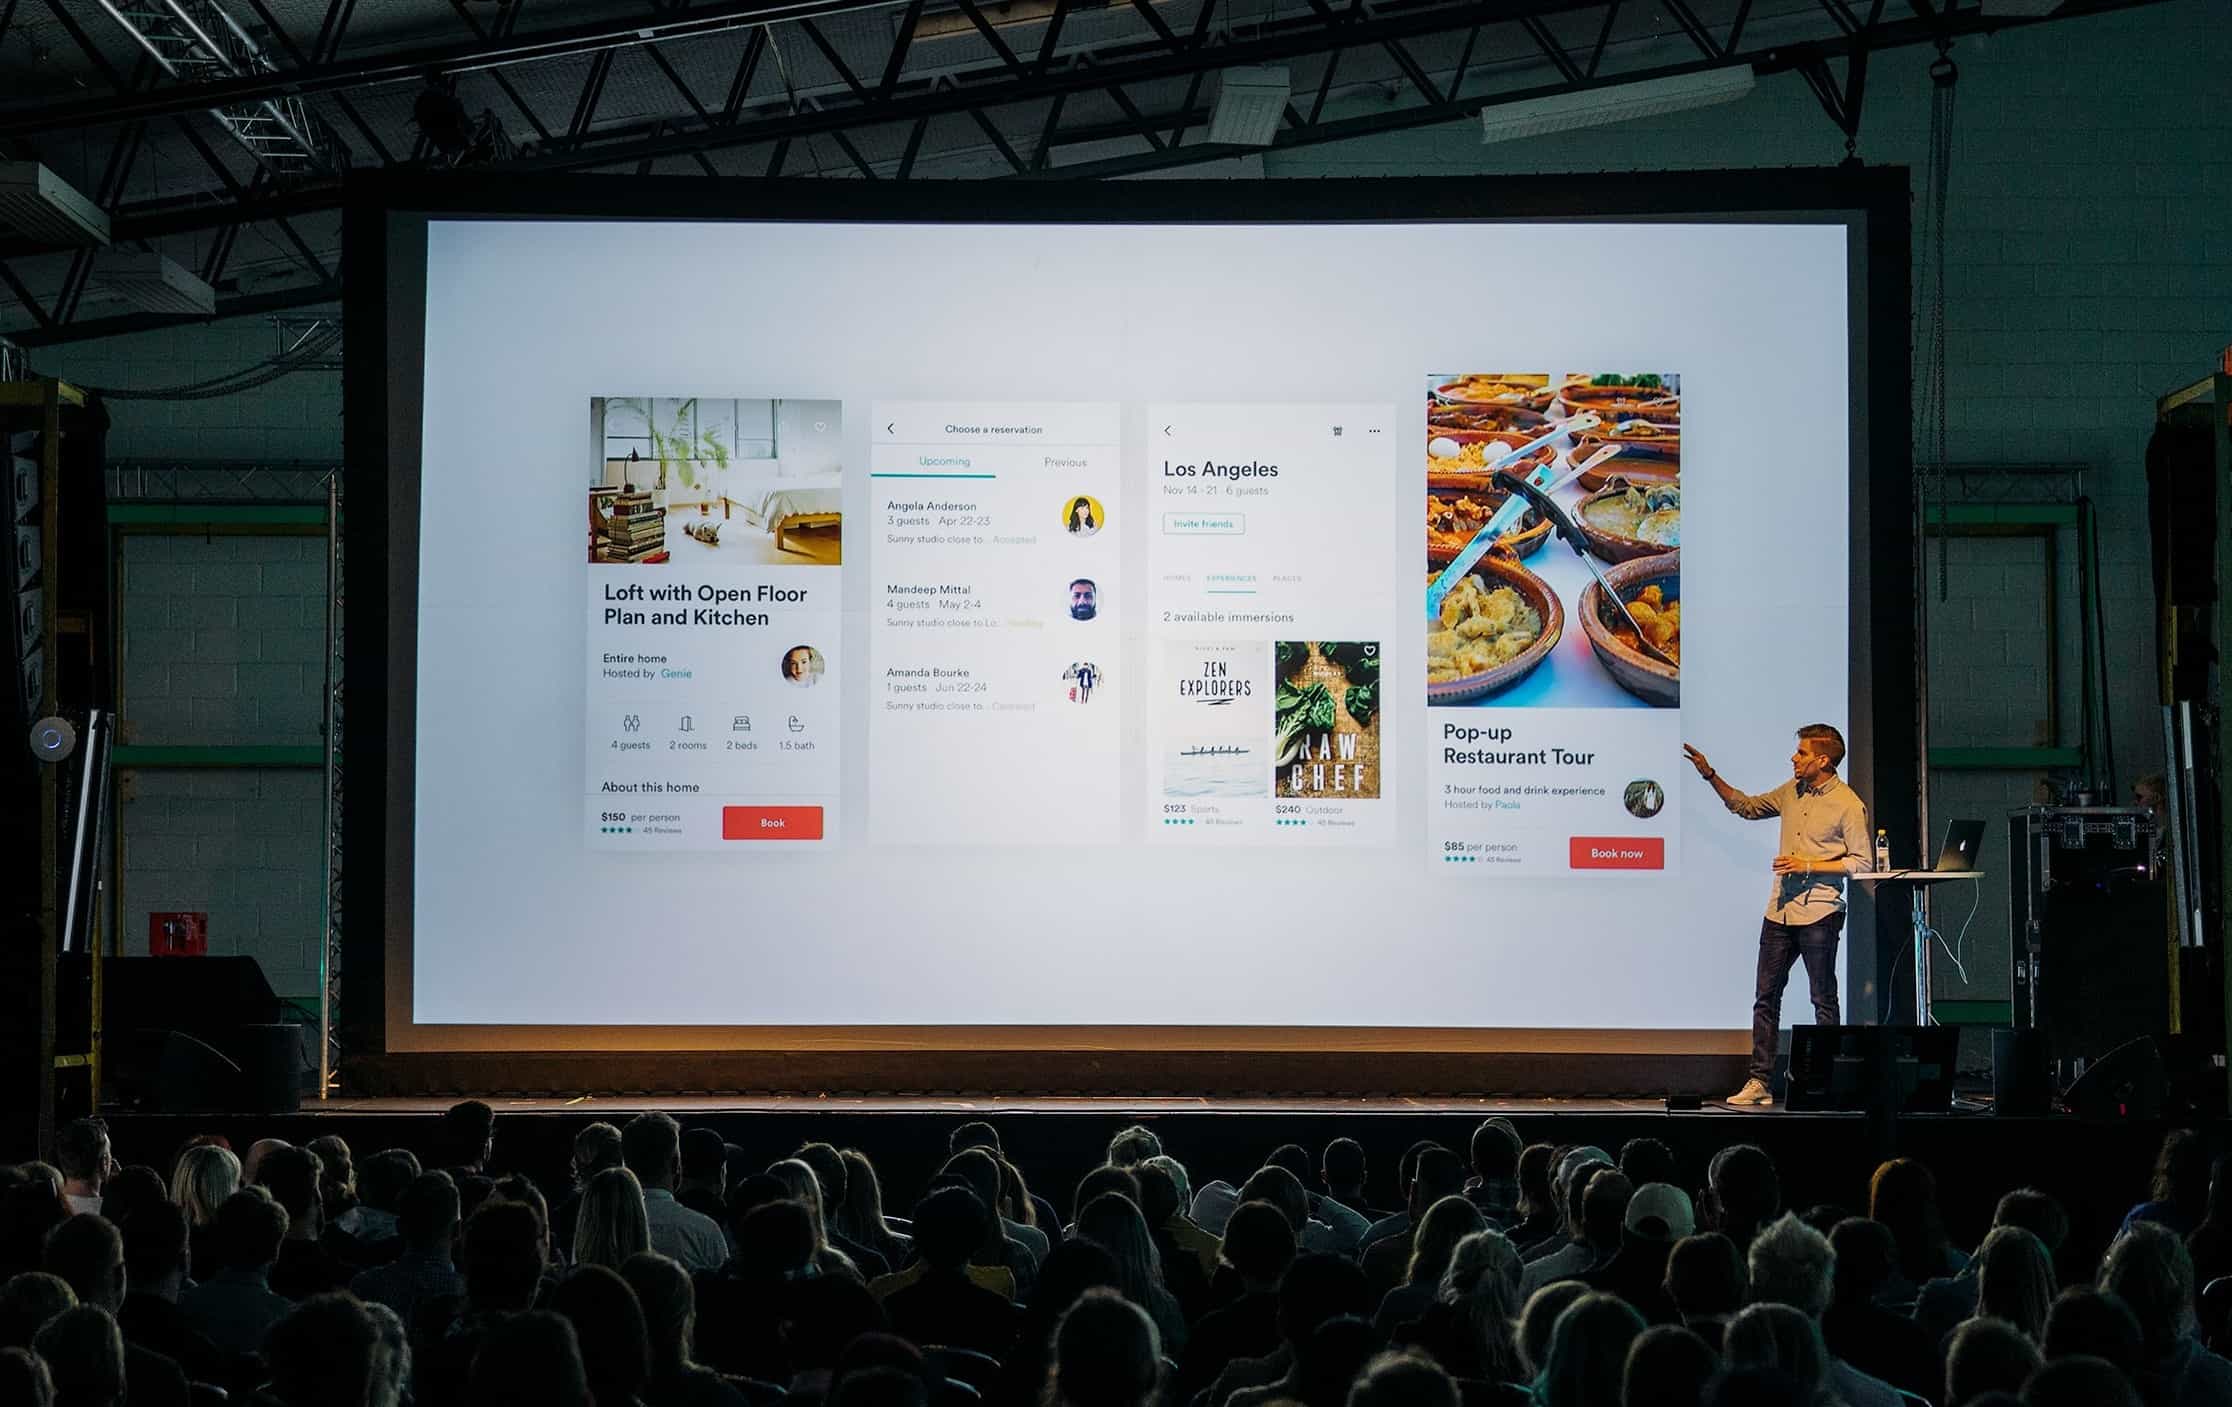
39	205
1251	103
1614	102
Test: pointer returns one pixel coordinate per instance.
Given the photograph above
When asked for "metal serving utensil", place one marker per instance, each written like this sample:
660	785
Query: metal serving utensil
1571	532
1512	511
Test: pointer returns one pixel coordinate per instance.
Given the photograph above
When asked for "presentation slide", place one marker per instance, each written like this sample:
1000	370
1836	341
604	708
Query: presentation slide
1030	625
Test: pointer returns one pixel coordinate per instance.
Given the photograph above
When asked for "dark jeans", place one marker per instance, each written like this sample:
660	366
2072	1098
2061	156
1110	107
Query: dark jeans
1781	945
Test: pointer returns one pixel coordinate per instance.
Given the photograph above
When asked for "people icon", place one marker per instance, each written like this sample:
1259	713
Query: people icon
1082	517
802	666
1083	675
1084	599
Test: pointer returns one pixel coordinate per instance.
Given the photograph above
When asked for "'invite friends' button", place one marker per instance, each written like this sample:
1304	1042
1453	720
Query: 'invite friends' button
1197	524
1613	852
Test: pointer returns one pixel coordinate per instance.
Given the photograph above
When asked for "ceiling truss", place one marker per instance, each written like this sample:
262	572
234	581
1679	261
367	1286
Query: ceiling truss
1073	89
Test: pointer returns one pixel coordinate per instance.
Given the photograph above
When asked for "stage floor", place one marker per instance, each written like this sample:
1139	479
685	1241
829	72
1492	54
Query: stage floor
1106	1106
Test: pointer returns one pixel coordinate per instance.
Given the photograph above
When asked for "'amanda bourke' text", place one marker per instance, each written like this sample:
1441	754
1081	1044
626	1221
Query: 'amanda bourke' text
721	608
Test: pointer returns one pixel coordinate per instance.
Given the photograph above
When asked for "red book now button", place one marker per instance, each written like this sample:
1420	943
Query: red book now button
1616	852
771	823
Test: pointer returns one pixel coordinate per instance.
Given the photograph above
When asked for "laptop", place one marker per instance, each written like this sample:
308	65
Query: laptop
1961	841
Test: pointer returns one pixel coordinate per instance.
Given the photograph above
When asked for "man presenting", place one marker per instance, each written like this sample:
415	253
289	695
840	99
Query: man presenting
1824	838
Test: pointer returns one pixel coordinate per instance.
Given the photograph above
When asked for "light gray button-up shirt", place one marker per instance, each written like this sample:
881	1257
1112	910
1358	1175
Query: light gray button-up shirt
1821	823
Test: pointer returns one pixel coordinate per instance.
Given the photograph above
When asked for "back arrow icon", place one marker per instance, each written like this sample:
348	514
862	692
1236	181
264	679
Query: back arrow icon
892	428
1166	429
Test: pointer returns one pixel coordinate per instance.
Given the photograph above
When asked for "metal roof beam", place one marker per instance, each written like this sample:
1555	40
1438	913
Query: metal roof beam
653	24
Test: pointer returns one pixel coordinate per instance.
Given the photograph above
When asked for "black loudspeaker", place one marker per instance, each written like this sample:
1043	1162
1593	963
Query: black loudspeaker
2020	1084
1910	1068
2128	1083
192	1078
271	1063
221	1008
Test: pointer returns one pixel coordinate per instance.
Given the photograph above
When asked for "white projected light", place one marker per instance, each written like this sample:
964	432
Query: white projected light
837	659
37	204
1623	102
154	283
1250	104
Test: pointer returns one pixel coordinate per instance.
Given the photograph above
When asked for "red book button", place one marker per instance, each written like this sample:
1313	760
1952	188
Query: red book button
771	823
1616	852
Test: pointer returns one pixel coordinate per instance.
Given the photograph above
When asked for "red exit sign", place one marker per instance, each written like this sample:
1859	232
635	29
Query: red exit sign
177	935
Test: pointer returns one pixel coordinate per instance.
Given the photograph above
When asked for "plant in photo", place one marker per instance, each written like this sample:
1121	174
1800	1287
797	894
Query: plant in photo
681	444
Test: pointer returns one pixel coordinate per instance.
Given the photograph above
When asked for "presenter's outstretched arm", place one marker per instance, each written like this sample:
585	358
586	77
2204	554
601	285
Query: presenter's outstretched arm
1727	793
1751	808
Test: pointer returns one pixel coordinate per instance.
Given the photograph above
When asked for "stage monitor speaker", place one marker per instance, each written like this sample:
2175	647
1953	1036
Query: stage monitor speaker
2021	1087
193	1078
2128	1083
222	1004
1910	1068
271	1062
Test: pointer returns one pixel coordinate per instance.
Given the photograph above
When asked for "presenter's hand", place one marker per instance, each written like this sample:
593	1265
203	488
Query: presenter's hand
1697	760
1791	864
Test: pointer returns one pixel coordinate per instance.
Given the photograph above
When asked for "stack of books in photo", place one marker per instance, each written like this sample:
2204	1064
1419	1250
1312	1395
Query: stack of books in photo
635	530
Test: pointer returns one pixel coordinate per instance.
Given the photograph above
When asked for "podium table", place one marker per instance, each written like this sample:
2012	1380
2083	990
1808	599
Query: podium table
1920	882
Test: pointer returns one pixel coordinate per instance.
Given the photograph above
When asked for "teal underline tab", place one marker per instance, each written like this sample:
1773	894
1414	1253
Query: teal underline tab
1232	591
933	476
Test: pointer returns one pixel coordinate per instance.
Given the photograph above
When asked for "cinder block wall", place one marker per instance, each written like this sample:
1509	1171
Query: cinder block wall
2090	269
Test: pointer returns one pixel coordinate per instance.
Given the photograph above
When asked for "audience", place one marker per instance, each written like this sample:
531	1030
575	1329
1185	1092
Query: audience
425	1270
1742	1193
81	1151
1903	1196
2149	1270
2090	1323
85	1354
1468	1328
613	1222
1588	1353
1655	1218
1447	1222
1603	1205
1106	1354
651	1148
205	1176
673	1275
1705	1280
1945	1301
1258	1247
1987	1355
1667	1366
2015	1280
235	1307
1859	1330
595	1148
1403	1380
2179	1195
1781	1338
1792	1264
1539	1320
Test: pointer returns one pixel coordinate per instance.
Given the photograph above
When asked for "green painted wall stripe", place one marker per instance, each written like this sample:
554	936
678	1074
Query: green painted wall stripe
2004	759
1973	1013
129	755
2028	515
216	515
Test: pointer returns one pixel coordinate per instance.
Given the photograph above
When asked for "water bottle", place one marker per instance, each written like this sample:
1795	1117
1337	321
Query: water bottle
1883	852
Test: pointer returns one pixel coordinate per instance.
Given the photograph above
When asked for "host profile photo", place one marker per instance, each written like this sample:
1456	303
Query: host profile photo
1084	599
802	666
1082	516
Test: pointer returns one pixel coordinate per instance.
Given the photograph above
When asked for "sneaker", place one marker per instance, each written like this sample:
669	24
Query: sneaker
1753	1092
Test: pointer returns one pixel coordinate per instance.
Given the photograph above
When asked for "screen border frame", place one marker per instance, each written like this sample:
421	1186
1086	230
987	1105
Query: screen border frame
384	270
